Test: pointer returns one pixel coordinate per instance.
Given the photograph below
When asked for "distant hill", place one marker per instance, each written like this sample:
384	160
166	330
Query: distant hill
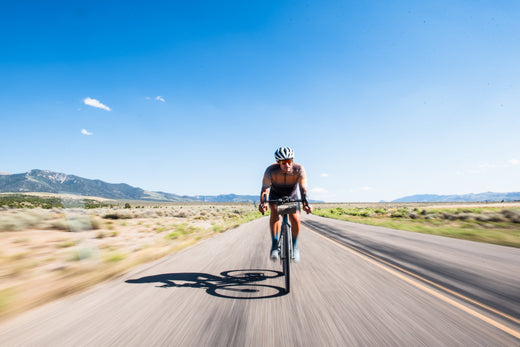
489	196
59	183
228	198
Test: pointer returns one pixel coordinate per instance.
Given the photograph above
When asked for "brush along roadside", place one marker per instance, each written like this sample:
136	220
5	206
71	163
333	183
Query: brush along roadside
499	224
48	253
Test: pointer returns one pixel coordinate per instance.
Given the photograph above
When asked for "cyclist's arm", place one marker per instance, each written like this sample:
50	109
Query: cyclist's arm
266	185
264	193
302	183
303	190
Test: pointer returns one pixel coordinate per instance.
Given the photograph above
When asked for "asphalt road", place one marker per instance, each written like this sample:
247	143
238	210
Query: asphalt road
395	288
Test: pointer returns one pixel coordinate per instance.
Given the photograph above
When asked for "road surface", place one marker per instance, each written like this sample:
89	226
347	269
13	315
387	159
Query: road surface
366	286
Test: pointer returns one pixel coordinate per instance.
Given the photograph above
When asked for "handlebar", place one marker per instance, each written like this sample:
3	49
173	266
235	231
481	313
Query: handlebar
286	200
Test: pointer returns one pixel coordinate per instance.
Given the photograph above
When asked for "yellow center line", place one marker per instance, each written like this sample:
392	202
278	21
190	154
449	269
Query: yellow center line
377	261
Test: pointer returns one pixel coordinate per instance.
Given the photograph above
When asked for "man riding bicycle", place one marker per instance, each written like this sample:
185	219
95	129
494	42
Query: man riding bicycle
281	181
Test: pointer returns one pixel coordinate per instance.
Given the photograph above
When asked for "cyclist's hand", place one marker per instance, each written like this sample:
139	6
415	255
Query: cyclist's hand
262	208
307	208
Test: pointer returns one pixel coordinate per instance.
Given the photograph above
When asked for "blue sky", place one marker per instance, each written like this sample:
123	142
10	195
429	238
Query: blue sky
378	99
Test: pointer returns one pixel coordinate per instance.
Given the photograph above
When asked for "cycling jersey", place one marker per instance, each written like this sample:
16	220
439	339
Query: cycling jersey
283	184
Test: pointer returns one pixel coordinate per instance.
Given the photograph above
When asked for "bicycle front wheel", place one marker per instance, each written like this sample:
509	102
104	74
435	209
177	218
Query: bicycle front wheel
286	258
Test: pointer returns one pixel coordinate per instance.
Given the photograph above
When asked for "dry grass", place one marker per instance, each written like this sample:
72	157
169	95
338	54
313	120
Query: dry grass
45	254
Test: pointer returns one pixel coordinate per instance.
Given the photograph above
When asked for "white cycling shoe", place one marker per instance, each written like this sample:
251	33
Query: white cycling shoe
296	254
274	254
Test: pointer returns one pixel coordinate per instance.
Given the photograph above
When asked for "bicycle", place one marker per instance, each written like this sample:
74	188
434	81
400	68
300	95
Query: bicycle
285	207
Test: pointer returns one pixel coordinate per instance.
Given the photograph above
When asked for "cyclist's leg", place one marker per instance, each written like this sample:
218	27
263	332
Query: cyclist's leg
295	225
295	231
274	224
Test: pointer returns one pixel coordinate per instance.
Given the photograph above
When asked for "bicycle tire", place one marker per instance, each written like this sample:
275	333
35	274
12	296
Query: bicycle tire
286	256
281	250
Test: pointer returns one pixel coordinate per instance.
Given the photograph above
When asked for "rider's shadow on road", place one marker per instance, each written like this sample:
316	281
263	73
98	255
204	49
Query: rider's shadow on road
233	284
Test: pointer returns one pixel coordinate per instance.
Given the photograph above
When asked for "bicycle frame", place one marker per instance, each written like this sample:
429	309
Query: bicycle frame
285	207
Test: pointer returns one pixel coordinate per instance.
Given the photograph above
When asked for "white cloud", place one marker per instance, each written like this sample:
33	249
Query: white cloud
485	165
324	175
319	190
160	98
366	188
509	163
95	103
85	132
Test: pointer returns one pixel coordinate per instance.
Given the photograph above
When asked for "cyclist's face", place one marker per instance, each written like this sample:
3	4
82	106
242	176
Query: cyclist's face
286	165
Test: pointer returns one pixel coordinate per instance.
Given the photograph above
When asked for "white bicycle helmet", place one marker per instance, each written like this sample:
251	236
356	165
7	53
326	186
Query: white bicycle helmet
284	153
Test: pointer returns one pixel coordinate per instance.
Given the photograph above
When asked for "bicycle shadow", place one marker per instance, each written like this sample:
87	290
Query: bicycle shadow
232	284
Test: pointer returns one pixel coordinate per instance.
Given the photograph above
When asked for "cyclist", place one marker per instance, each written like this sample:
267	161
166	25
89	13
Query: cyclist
282	180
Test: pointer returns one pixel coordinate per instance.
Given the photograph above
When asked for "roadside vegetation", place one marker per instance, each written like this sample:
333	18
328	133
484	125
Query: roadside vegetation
52	246
48	251
48	202
497	225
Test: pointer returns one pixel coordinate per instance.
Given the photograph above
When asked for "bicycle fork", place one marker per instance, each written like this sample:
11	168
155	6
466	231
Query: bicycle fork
285	236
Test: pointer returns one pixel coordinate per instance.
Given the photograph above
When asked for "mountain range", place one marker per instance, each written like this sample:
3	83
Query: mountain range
489	196
59	183
53	182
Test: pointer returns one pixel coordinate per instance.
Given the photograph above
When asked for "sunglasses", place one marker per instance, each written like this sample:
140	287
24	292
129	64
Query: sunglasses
288	161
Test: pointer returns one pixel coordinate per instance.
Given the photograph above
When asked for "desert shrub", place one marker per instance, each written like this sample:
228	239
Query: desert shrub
82	253
400	213
112	216
147	213
10	223
21	220
337	211
448	216
413	215
363	213
512	215
184	229
95	222
72	224
467	216
173	235
117	215
60	224
113	257
182	214
491	217
66	244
